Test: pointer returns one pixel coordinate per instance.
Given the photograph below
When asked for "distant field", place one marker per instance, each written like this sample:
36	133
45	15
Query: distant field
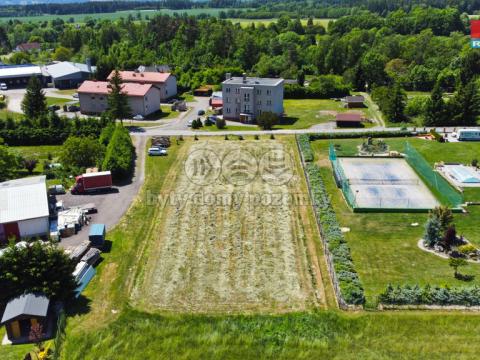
79	18
266	22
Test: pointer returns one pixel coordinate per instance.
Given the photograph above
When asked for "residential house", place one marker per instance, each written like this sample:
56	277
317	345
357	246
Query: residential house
143	99
27	47
245	98
24	211
165	82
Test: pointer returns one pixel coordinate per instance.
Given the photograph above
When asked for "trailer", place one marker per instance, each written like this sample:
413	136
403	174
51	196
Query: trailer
93	181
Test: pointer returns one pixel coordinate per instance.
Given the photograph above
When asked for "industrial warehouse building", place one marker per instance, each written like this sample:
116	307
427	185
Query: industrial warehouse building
163	81
68	75
143	99
18	75
23	208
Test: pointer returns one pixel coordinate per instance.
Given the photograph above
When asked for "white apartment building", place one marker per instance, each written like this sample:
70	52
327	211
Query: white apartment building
245	98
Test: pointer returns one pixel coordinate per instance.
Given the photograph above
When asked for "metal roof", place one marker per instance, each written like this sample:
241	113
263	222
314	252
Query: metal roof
19	71
23	199
33	304
66	68
253	81
97	230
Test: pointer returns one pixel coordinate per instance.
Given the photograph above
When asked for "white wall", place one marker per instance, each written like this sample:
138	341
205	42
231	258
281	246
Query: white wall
34	227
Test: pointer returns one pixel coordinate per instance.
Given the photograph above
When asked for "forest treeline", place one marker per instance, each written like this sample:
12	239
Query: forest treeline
251	9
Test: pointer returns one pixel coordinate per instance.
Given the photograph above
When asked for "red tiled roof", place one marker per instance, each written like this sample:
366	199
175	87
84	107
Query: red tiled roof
349	117
142	77
101	87
29	46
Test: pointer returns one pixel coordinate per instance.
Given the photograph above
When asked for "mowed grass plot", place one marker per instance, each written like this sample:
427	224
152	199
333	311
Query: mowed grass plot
232	242
384	246
304	113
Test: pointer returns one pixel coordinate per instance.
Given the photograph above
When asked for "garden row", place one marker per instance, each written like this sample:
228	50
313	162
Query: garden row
346	282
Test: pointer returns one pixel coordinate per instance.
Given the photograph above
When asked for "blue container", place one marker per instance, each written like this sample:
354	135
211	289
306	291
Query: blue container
97	235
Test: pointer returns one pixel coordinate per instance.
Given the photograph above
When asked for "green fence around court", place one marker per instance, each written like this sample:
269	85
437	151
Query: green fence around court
340	178
441	188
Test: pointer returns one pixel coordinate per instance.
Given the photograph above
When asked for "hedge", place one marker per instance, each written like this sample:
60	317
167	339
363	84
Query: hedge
305	147
363	134
430	295
344	270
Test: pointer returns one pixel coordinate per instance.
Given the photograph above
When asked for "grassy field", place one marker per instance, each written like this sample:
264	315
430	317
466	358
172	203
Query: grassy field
57	101
81	18
266	22
107	326
41	153
384	247
304	113
206	258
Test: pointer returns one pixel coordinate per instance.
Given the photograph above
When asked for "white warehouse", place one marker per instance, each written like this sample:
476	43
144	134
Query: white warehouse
23	208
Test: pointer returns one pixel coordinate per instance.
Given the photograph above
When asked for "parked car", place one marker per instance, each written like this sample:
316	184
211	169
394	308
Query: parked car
56	190
73	108
75	96
53	108
172	101
189	123
3	86
138	117
157	151
201	112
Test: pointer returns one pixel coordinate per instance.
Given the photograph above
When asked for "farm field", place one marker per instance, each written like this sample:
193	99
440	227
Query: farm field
233	243
384	247
266	22
81	18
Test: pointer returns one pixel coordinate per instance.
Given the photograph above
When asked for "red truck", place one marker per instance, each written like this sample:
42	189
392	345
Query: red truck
92	182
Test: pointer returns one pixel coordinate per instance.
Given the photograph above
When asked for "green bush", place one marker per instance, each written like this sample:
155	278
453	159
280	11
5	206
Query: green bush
467	249
305	148
349	282
120	154
428	295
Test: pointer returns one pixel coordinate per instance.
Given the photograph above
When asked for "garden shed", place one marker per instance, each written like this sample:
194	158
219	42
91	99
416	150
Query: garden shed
97	235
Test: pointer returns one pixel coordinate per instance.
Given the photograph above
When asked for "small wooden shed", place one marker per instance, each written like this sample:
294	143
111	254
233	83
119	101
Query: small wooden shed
97	235
24	312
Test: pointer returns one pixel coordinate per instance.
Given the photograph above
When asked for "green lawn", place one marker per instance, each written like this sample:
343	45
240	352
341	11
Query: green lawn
57	101
8	352
384	246
304	113
41	153
5	113
66	91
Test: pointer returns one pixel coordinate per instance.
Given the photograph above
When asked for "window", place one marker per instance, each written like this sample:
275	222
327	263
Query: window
146	98
246	97
259	92
228	110
237	91
227	90
269	102
101	97
247	108
269	92
92	97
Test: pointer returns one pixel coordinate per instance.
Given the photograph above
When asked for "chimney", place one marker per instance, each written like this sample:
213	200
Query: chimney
88	62
244	78
228	76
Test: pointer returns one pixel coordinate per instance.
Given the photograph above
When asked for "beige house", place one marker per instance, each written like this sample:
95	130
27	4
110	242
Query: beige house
245	98
143	99
163	81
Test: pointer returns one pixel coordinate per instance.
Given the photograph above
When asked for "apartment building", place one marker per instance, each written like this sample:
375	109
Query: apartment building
245	98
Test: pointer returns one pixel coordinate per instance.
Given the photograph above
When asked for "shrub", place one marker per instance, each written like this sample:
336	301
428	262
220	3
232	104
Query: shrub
354	135
428	295
305	147
344	271
120	155
437	136
220	123
467	249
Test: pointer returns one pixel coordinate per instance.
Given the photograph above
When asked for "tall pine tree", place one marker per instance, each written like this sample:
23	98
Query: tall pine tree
435	109
117	100
34	103
465	105
394	109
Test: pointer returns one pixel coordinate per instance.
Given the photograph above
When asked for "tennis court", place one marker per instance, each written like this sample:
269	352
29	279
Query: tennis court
384	183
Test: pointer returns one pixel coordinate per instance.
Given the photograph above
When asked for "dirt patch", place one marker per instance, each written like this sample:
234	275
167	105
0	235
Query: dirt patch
238	243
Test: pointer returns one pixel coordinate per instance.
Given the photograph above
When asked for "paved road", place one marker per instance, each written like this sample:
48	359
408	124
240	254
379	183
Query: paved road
112	206
15	97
